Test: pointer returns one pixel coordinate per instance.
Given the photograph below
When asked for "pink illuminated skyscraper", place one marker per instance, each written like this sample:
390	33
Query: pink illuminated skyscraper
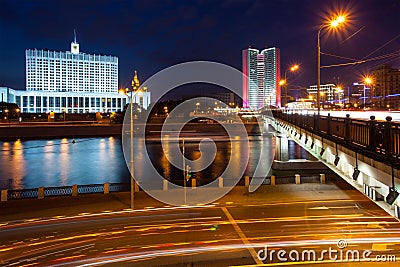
261	77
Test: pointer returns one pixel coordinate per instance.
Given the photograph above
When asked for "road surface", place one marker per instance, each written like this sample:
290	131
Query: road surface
306	222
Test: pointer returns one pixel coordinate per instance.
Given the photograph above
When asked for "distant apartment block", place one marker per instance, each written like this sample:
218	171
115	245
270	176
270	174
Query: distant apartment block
328	92
385	87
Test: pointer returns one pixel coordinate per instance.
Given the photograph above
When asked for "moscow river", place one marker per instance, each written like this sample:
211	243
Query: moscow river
64	162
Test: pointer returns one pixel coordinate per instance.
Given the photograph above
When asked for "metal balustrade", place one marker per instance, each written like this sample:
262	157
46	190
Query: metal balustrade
379	140
65	190
120	187
22	193
91	188
57	191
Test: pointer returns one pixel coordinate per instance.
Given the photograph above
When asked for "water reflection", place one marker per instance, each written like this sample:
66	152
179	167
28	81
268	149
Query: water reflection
30	164
64	161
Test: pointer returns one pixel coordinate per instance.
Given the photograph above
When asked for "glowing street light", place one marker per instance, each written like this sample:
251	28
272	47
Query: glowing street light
6	111
294	68
369	81
332	24
284	81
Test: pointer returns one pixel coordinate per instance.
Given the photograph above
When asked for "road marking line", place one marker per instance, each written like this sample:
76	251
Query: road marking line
242	236
379	247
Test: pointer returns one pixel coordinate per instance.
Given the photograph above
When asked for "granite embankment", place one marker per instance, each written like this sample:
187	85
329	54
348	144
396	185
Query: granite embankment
43	130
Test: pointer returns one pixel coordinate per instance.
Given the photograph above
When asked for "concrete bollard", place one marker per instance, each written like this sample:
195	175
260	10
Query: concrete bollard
106	188
41	192
136	186
220	182
4	195
193	183
322	178
74	190
165	185
246	181
297	178
272	179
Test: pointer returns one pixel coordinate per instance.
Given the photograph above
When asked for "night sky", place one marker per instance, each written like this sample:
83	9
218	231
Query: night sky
151	35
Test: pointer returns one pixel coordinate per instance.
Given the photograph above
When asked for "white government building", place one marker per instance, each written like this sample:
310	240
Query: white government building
72	82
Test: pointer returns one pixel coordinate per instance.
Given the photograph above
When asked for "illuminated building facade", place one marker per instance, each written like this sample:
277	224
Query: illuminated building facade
72	82
327	92
262	74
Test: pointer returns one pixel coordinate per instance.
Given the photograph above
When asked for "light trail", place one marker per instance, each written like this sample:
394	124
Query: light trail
124	257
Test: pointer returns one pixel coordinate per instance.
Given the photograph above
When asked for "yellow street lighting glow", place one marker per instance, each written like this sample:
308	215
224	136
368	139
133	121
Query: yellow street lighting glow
336	22
282	82
294	67
341	19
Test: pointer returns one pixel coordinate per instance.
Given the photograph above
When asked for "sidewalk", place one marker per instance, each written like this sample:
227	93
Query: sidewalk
93	203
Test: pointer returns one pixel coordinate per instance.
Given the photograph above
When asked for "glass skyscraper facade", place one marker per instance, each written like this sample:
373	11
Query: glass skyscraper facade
261	77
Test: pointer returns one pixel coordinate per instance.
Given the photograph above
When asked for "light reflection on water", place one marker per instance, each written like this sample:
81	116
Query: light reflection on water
58	162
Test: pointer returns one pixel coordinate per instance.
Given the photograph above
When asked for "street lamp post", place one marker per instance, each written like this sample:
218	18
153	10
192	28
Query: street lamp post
184	168
64	111
131	150
8	120
284	82
18	113
132	169
368	81
333	24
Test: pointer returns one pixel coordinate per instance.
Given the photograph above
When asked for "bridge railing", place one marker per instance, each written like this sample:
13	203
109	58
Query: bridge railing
377	139
106	188
42	192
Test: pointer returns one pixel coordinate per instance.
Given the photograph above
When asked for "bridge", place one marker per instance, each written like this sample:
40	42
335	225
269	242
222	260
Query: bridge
366	153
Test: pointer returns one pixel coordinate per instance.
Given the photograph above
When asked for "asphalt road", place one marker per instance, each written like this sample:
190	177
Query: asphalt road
324	225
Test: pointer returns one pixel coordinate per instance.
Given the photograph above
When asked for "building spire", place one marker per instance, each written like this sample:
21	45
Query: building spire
74	45
135	82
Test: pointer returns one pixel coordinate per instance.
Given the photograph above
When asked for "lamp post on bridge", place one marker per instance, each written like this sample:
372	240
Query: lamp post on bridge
283	83
368	81
331	24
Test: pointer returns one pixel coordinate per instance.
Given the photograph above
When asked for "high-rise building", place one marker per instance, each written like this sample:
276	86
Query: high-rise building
262	74
385	87
72	82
